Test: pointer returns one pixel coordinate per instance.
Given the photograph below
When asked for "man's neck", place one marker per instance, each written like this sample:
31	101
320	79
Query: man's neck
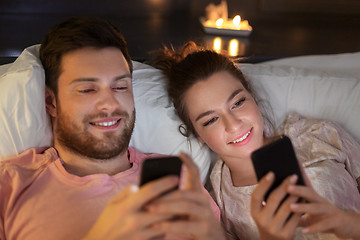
80	165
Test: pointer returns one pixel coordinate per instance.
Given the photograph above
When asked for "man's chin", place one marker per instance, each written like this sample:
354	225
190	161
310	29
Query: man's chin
100	153
93	144
103	154
95	148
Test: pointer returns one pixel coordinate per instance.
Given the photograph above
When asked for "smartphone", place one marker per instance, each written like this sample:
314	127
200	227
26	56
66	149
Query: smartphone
155	168
278	157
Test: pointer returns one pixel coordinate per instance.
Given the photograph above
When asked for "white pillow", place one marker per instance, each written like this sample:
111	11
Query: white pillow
23	119
342	63
312	93
156	126
24	123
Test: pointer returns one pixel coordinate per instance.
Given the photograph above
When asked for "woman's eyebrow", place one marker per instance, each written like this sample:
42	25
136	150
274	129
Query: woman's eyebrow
232	95
203	115
236	92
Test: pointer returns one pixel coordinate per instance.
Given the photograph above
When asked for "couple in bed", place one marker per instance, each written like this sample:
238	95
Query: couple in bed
85	186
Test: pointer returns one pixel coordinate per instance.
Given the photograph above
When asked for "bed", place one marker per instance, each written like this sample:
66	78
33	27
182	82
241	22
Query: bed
320	86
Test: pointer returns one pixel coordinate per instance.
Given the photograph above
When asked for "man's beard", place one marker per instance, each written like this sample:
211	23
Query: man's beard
80	141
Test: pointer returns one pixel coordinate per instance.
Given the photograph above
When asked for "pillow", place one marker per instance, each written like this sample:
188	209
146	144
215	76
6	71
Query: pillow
156	125
311	93
24	122
23	119
346	63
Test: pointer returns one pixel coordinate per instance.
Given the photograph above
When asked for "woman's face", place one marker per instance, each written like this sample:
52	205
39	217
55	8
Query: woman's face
225	116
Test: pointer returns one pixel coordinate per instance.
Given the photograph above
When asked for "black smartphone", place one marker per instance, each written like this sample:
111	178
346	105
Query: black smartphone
154	168
278	157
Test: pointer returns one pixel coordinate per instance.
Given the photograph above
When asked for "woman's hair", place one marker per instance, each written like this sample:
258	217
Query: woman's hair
73	34
187	66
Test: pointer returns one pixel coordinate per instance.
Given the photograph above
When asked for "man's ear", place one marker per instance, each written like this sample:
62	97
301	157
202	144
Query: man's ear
50	102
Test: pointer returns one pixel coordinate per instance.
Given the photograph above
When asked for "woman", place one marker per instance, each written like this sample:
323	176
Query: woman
217	105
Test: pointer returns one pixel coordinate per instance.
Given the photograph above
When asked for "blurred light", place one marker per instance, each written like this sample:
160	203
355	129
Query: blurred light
156	2
217	44
237	20
219	22
234	47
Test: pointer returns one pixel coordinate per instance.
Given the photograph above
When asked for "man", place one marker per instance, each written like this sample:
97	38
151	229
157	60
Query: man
85	186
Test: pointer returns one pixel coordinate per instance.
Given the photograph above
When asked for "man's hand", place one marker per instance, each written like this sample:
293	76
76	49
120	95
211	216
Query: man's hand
124	216
148	213
191	206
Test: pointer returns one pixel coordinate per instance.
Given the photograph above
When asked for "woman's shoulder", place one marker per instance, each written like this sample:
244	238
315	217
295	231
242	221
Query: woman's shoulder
316	139
217	169
296	125
296	121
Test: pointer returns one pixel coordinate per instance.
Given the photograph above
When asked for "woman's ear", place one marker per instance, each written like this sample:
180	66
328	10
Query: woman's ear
200	140
50	102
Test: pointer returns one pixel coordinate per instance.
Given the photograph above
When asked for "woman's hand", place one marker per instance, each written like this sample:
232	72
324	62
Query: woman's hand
274	218
322	216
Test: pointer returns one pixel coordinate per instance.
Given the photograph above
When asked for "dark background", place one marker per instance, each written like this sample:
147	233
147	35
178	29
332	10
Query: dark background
281	28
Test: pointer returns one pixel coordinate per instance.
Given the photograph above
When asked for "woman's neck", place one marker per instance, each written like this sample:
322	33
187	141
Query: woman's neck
242	172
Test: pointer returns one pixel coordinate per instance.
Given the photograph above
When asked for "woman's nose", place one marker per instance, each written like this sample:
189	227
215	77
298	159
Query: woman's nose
231	123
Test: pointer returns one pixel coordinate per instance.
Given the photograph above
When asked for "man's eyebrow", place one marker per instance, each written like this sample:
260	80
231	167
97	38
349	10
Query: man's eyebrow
78	80
236	92
127	75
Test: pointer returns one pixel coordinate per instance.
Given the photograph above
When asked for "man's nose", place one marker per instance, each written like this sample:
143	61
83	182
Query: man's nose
107	101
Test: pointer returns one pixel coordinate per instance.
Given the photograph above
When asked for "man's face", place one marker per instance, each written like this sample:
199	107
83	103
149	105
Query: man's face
95	112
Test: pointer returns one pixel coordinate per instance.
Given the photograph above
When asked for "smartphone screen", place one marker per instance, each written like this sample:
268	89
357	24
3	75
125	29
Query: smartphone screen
278	157
155	168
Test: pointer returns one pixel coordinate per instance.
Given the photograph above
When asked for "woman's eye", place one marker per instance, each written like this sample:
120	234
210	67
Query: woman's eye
239	103
209	122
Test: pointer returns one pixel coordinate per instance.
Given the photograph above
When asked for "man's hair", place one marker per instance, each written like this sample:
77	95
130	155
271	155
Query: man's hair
73	34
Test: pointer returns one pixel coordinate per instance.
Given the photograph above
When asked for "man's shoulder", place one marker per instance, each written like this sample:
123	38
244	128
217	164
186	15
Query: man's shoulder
31	159
18	173
138	157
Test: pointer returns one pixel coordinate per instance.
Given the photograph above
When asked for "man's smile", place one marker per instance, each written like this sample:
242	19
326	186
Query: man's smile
106	123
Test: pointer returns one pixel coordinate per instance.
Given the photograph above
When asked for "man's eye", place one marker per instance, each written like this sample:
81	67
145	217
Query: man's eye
239	103
86	90
120	88
210	122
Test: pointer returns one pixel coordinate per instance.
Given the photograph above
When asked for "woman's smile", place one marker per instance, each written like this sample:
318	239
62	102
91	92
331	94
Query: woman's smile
243	139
